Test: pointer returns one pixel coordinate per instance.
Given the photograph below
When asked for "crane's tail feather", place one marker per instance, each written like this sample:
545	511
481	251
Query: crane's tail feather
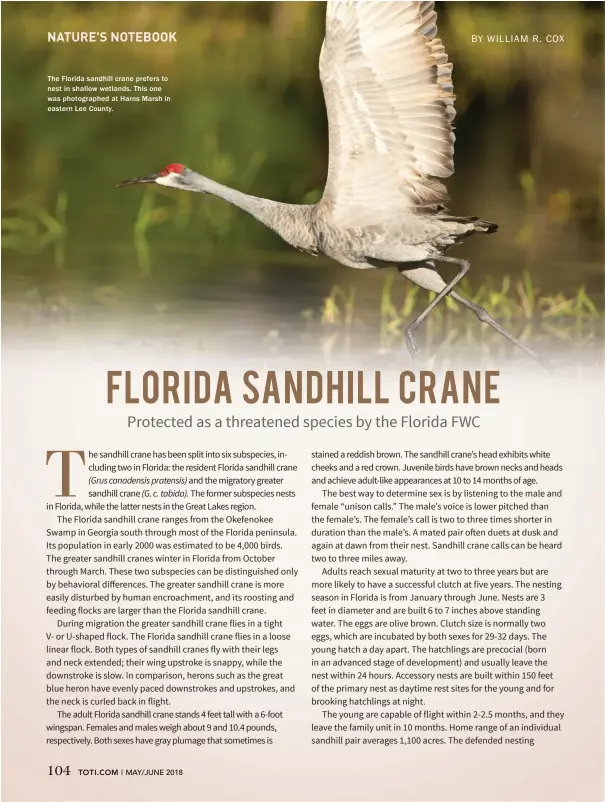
478	225
484	226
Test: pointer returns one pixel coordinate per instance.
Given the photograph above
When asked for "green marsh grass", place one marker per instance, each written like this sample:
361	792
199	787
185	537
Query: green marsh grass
29	228
518	304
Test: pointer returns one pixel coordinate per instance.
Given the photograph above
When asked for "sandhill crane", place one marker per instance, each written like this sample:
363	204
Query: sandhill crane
389	96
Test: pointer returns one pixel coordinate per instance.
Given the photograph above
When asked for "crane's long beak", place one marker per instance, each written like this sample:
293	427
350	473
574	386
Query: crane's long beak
144	179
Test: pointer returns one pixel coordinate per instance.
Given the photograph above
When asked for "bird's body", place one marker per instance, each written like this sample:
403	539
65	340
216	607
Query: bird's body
390	104
408	238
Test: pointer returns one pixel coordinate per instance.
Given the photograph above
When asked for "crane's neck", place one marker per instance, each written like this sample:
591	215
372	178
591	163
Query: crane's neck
292	222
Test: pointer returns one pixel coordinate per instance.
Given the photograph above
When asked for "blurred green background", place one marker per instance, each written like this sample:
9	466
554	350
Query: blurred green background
247	110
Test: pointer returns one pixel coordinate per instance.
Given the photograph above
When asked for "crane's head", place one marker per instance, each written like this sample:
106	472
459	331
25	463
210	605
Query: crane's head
173	175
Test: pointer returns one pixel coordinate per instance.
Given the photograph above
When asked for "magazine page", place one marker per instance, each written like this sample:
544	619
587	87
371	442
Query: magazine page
303	402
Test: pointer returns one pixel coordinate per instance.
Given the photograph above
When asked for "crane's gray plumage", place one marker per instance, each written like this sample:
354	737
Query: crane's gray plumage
389	98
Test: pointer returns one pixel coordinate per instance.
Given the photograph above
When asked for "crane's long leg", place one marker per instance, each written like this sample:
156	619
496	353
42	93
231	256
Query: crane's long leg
428	278
484	316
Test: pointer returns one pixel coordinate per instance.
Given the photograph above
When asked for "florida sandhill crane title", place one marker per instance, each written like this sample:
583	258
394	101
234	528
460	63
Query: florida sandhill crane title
301	387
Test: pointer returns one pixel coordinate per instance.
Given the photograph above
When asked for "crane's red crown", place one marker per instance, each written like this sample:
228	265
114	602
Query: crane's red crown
172	168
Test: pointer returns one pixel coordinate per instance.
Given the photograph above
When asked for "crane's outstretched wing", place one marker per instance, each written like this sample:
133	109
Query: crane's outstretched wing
389	97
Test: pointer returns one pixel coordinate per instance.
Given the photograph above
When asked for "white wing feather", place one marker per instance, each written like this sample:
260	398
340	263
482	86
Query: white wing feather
389	97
